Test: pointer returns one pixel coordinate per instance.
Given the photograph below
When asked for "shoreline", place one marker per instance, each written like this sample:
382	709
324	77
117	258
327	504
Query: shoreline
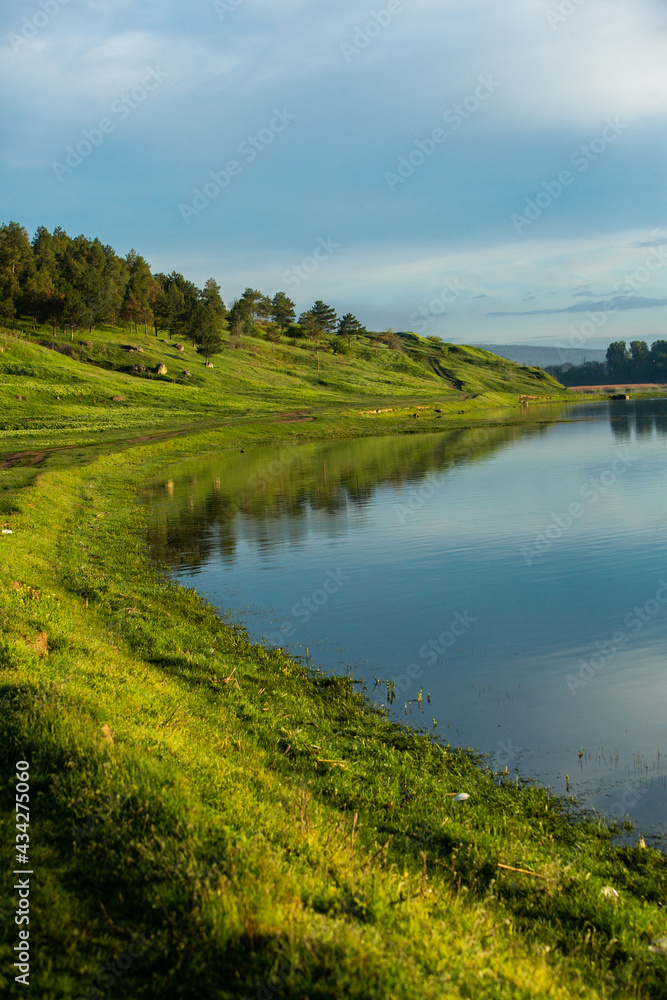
263	805
263	477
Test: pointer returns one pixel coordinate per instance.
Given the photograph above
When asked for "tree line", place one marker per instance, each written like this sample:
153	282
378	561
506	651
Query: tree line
638	363
73	283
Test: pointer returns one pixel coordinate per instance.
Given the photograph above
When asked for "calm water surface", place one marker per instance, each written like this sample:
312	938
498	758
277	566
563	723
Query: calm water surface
518	575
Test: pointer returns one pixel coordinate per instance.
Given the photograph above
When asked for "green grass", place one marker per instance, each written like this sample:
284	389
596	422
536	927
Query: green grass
200	792
69	399
211	820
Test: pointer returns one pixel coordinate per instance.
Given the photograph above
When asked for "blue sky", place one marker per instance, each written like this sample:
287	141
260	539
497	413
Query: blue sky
479	170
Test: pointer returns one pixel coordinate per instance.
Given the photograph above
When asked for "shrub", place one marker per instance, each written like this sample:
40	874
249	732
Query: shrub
339	346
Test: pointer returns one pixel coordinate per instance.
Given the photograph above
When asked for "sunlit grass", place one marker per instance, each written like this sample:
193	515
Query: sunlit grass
211	820
71	398
255	826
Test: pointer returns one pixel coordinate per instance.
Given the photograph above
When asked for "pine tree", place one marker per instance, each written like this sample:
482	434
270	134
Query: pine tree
311	329
251	304
282	310
209	332
211	297
349	326
137	302
17	265
324	316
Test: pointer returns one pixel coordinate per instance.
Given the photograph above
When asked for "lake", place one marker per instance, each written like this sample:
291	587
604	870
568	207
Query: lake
505	584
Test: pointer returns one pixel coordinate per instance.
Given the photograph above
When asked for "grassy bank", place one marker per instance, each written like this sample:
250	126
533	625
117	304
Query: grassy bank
104	384
64	400
211	820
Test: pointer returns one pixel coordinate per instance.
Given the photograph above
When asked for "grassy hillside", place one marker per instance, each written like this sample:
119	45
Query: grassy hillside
211	820
54	396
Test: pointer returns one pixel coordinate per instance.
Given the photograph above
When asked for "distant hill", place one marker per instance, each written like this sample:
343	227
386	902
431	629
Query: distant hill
540	357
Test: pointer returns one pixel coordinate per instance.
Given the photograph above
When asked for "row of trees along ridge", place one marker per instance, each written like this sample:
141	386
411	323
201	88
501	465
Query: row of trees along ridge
75	282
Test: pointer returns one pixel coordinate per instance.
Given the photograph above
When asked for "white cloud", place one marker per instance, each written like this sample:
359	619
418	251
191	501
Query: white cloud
71	76
608	58
558	83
